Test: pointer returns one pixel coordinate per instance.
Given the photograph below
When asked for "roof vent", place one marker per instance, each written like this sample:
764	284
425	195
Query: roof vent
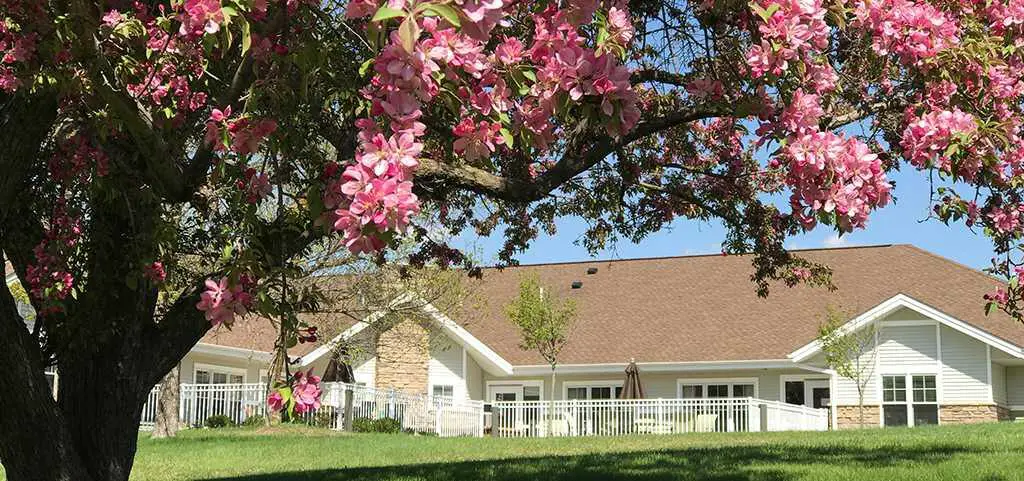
591	270
577	284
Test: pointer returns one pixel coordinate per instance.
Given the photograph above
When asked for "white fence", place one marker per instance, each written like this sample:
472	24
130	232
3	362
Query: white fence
614	417
444	417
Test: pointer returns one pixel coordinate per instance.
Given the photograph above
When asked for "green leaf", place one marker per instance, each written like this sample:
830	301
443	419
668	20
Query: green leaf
225	255
446	11
530	75
508	137
246	35
408	33
384	13
365	67
989	308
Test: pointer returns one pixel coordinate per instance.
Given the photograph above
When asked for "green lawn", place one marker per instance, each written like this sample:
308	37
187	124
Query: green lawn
988	453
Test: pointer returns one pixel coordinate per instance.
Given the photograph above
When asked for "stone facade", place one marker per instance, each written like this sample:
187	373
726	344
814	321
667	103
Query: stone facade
967	414
403	358
848	417
1003	413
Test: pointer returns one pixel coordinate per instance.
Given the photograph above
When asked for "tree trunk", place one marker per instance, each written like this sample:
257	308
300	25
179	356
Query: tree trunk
166	425
551	408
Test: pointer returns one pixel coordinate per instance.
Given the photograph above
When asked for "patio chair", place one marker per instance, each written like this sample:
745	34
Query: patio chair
705	423
685	425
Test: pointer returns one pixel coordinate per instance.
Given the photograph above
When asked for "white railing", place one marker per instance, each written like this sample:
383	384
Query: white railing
442	416
149	409
615	417
781	416
236	401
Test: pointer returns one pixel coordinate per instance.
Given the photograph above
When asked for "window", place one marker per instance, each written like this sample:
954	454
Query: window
444	390
218	375
692	391
531	393
717	389
920	408
592	391
795	393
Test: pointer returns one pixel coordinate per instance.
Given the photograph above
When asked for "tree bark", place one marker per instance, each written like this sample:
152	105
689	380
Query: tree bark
166	425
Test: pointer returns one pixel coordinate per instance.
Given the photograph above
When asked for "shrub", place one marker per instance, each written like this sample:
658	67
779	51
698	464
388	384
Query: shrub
382	425
323	418
254	420
218	421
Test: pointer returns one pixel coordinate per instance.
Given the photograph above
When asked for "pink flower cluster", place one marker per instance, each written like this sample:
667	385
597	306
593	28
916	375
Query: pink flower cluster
793	32
155	272
49	277
914	31
221	301
200	17
927	137
833	174
255	186
15	48
245	135
372	199
1006	219
304	391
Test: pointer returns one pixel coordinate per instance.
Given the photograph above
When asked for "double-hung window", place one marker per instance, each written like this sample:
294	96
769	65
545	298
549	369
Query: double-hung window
716	389
918	407
443	390
593	391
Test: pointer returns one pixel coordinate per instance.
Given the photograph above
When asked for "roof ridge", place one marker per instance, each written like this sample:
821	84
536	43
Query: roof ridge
977	272
684	256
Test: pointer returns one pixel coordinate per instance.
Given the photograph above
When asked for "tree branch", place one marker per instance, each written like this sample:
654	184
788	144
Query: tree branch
588	147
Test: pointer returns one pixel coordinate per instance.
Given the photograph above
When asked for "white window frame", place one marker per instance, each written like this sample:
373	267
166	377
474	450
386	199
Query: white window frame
805	378
908	379
704	382
590	385
212	368
450	387
514	384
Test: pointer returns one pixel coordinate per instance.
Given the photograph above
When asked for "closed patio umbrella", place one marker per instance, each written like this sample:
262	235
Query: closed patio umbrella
631	388
338	370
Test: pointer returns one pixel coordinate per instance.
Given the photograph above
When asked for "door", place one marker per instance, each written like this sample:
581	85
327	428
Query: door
816	394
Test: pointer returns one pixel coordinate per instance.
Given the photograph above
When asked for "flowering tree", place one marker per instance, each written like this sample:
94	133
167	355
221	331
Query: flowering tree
136	135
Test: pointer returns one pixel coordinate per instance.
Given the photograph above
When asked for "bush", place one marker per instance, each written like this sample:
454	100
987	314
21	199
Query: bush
382	425
387	425
254	420
323	418
218	421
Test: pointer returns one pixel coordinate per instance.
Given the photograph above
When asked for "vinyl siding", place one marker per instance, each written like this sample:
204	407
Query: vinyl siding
846	388
907	349
474	379
250	367
964	369
999	384
445	368
1015	386
366	371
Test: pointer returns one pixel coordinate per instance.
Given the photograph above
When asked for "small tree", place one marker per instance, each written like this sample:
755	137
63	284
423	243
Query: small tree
845	353
544	322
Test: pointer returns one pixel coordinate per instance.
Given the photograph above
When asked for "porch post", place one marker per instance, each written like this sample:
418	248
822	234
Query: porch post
349	414
832	408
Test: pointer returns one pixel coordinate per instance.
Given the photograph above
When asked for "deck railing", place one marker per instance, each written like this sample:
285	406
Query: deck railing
442	416
614	417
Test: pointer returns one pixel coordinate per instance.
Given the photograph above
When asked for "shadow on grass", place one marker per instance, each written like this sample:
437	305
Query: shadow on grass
744	463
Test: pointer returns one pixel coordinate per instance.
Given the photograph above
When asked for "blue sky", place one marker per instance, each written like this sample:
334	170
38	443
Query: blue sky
896	223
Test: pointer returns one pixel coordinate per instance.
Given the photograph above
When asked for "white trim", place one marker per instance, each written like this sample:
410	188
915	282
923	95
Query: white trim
619	367
988	366
833	406
589	384
230	351
939	367
731	381
215	368
488	360
908	392
903	300
520	383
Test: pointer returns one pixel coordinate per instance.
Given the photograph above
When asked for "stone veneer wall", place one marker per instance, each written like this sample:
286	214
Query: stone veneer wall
848	417
403	357
968	413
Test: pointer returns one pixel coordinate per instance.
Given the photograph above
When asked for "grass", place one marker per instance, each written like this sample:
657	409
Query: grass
992	452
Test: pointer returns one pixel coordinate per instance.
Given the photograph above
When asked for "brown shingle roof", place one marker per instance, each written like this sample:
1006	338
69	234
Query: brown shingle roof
704	308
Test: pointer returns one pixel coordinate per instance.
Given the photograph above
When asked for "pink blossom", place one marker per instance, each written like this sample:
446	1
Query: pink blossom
155	272
306	392
255	186
802	113
913	31
510	51
706	88
221	302
112	18
477	140
275	401
201	16
926	138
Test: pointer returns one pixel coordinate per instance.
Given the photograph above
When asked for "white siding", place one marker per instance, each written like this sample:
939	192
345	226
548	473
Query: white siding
1015	386
474	379
965	369
907	349
366	371
445	368
999	384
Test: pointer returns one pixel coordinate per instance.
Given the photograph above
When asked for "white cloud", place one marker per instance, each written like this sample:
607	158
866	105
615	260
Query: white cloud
835	240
